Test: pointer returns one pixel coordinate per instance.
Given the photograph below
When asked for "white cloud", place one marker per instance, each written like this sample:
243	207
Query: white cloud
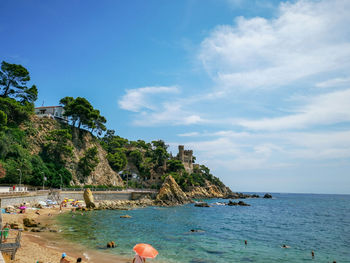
188	134
141	98
307	38
168	113
325	109
332	83
263	151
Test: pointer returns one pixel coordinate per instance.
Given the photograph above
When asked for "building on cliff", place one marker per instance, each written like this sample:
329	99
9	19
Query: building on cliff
186	157
53	112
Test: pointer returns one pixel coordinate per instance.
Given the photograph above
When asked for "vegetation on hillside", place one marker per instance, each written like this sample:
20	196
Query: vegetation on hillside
140	163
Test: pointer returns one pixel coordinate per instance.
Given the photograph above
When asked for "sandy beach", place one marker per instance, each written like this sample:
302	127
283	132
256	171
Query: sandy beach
47	246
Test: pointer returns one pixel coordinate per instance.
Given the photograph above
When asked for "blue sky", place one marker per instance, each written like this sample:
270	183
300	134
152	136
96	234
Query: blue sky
260	90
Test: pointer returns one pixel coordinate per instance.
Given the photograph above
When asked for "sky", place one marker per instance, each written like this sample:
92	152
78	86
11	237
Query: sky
260	90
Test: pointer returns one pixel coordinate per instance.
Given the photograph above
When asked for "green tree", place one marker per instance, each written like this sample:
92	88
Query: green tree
16	112
175	166
160	155
3	119
58	145
136	157
13	81
81	112
89	162
117	160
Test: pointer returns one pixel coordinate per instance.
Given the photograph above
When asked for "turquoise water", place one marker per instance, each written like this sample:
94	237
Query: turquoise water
304	222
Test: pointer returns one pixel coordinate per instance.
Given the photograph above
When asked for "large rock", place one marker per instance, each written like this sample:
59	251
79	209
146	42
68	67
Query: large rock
171	194
28	222
267	196
202	204
89	198
240	203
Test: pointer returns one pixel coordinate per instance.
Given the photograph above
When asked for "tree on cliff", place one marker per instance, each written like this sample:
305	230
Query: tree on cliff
13	83
160	154
81	112
88	162
2	171
3	119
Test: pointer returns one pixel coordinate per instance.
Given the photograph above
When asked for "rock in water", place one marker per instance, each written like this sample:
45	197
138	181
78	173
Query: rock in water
171	194
241	203
267	196
89	198
125	216
202	204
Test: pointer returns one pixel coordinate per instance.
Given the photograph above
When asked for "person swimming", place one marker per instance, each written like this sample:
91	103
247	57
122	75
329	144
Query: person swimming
285	246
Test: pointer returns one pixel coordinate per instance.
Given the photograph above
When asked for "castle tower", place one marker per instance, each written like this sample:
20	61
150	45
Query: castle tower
181	153
186	157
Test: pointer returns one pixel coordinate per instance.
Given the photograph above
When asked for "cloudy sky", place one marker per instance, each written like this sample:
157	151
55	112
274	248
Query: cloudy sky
260	90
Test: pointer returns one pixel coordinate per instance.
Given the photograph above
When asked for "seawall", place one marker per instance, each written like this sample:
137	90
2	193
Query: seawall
77	195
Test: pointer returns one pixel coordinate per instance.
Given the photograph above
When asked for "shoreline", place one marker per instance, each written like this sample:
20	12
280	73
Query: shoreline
49	246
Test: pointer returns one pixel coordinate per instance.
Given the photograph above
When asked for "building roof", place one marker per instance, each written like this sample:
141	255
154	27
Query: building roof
45	107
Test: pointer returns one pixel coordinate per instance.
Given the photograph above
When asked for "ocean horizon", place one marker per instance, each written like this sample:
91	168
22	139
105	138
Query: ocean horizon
303	222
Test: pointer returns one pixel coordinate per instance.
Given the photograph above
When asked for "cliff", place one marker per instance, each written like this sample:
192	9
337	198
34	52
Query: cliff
171	194
81	141
209	191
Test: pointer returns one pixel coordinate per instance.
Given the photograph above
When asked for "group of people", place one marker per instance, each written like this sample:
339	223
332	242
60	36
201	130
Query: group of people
137	259
64	260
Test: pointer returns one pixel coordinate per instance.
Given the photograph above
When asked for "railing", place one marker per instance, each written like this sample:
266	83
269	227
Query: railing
109	190
10	241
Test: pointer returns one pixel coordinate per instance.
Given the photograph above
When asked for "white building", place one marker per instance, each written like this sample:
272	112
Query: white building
54	112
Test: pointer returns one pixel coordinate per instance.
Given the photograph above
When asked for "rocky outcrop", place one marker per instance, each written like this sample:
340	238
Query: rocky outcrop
209	191
240	203
81	142
28	222
124	204
171	194
267	196
202	204
241	196
89	199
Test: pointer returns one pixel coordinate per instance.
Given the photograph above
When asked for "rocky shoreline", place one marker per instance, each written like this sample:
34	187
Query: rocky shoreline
170	194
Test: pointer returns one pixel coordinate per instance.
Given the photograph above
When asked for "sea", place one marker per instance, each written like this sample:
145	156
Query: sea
303	222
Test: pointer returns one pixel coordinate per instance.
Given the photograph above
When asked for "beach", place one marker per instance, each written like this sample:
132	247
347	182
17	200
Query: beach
49	246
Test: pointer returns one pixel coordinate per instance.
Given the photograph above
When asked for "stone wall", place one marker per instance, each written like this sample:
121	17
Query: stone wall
16	200
98	196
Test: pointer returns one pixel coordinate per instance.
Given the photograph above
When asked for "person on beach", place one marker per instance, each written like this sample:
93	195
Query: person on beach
138	259
63	258
5	231
79	260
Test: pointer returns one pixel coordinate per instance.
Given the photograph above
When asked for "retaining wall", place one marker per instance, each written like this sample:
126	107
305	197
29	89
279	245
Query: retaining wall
16	200
98	196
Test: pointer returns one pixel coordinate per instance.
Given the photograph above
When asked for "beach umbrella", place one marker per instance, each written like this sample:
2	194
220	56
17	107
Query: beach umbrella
145	250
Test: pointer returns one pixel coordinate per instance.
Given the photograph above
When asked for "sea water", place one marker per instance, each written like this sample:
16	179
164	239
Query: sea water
305	222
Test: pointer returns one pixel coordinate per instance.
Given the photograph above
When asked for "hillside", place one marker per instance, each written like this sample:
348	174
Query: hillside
70	145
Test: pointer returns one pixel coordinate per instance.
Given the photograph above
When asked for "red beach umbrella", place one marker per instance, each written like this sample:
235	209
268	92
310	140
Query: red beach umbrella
145	250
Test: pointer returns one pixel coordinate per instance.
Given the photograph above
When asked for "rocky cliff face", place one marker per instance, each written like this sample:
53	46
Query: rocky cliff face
171	194
81	142
209	191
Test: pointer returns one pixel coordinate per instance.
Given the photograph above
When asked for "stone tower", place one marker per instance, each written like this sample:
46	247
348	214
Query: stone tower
185	156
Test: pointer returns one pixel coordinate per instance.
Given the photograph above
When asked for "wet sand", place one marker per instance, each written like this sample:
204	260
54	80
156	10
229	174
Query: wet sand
48	246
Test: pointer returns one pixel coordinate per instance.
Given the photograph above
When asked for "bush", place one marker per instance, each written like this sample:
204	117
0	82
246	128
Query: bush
89	162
